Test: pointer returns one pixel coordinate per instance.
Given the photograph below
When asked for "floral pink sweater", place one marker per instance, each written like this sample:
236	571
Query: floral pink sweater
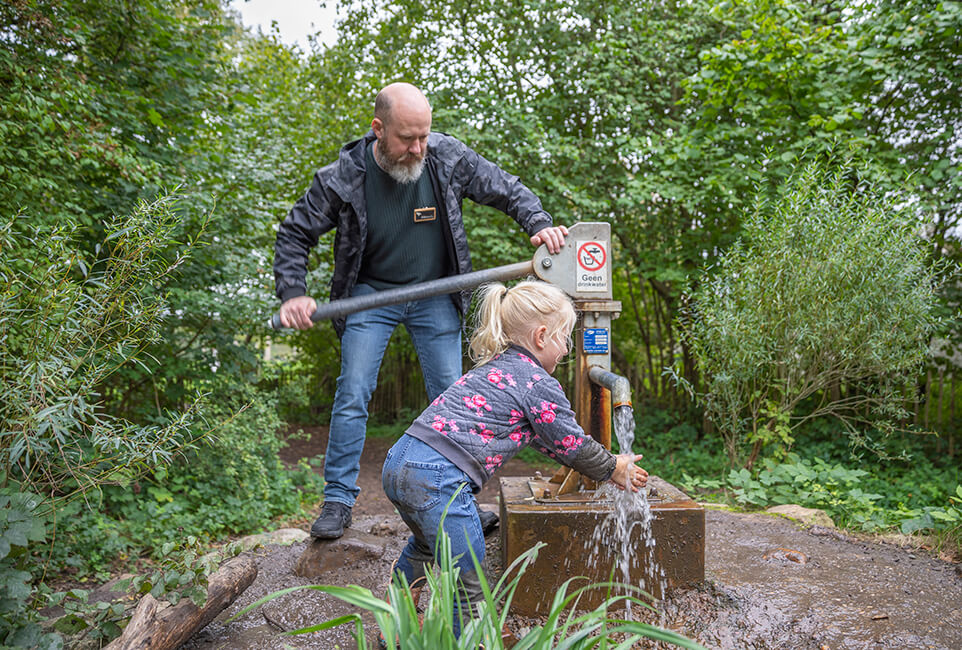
494	411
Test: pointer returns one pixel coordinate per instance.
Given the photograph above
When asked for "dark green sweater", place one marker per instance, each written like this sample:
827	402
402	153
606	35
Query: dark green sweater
405	243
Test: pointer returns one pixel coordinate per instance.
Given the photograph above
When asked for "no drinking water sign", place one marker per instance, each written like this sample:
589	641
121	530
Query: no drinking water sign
592	266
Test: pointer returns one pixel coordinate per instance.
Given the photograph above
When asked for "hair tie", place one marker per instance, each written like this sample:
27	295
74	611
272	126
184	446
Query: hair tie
506	290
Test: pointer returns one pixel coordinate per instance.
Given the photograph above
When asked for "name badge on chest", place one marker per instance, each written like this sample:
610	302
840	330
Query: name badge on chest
425	214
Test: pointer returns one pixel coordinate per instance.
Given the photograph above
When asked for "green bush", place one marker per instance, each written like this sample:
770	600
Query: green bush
869	500
20	527
234	484
947	518
237	482
116	489
71	320
72	317
812	483
825	307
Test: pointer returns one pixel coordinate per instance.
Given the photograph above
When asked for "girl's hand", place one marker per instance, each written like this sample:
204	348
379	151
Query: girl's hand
627	473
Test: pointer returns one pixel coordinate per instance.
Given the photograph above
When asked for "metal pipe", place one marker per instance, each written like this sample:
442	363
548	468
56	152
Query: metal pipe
618	385
420	291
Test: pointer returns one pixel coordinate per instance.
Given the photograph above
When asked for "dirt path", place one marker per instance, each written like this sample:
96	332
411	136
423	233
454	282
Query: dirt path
846	594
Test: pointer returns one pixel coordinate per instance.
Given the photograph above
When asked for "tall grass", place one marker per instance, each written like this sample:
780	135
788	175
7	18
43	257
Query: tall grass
564	627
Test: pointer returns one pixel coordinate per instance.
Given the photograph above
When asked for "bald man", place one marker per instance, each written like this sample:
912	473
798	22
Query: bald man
394	197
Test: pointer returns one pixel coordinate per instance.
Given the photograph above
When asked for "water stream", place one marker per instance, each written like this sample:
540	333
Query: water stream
616	533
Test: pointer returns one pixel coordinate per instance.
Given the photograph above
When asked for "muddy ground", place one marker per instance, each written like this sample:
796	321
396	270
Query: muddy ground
848	593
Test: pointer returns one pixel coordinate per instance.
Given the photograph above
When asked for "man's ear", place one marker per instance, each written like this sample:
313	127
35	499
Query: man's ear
378	127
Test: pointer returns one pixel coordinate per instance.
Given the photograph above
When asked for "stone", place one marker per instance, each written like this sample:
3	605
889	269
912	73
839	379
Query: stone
785	555
281	537
385	529
325	555
805	516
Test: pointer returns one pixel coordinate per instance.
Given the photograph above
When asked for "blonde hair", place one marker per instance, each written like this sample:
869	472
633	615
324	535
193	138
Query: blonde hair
506	316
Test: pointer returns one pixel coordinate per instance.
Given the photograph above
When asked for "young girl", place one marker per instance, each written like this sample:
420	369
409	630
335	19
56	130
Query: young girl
508	401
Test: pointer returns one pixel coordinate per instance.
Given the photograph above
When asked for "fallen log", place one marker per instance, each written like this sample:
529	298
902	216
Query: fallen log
154	628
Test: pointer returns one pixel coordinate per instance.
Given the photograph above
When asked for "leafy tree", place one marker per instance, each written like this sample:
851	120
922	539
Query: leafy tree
100	100
829	287
575	99
659	117
111	102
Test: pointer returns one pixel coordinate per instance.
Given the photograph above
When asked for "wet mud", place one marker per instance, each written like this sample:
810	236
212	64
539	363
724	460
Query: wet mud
265	627
770	584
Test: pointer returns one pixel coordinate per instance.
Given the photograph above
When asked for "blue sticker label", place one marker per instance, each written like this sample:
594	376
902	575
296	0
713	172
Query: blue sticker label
595	340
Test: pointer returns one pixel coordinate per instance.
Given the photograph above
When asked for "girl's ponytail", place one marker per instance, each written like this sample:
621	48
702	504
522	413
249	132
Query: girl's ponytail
489	339
505	316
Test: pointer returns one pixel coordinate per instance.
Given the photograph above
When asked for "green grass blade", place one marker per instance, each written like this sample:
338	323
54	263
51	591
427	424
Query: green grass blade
334	622
656	633
358	596
265	599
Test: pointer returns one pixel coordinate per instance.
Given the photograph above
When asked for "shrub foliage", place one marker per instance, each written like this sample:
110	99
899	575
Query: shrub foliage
825	306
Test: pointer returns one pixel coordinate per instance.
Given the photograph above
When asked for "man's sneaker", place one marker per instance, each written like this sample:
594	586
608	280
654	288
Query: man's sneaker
335	517
489	520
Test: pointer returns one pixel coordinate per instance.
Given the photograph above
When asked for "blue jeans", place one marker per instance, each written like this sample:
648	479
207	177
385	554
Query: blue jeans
435	328
420	482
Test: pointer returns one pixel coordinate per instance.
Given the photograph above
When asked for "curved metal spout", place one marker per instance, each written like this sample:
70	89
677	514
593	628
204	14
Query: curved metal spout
618	385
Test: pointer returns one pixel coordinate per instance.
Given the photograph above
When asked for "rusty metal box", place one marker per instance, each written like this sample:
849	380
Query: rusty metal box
566	524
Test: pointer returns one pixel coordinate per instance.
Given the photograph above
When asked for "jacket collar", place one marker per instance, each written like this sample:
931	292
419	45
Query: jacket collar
514	347
348	179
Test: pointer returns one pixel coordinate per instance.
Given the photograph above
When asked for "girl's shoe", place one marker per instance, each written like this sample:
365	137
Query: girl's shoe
416	590
507	640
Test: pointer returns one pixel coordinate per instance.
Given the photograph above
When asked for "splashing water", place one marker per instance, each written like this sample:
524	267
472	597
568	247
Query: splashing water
630	510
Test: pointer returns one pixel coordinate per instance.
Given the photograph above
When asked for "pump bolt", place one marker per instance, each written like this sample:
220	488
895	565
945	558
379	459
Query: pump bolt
546	262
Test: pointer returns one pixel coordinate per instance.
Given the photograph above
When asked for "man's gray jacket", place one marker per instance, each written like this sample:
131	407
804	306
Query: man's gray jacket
336	200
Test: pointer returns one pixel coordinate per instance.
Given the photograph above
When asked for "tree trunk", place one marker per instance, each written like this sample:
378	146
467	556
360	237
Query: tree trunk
643	330
941	417
154	628
652	375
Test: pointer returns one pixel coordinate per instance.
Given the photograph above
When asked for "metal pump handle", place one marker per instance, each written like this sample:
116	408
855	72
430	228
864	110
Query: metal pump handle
441	286
582	269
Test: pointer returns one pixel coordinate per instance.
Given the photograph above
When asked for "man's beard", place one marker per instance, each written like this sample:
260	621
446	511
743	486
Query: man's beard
401	170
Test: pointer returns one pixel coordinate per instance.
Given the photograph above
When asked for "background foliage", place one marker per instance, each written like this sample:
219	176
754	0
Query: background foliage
132	324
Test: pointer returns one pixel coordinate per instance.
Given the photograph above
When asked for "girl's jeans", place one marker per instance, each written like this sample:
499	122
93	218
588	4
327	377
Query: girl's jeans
420	482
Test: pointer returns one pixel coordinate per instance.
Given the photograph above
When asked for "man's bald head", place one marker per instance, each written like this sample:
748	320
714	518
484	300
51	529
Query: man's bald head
399	98
401	124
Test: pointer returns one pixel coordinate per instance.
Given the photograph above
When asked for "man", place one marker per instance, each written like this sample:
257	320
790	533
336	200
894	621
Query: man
394	197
